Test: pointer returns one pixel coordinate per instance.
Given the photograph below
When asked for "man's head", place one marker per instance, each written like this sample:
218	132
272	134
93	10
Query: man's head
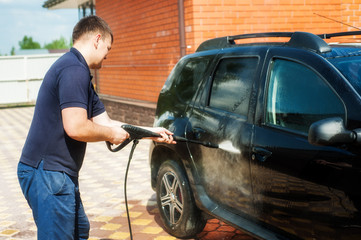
89	25
93	37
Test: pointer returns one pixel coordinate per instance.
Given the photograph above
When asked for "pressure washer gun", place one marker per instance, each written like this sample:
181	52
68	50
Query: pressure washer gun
137	133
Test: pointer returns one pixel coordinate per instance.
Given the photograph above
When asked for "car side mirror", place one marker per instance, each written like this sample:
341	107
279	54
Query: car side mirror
330	131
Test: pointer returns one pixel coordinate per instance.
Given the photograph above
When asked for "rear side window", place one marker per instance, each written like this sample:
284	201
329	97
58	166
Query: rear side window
232	84
351	69
190	77
298	96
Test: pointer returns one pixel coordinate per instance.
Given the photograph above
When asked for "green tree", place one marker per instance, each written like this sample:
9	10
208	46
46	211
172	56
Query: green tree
12	53
28	43
60	43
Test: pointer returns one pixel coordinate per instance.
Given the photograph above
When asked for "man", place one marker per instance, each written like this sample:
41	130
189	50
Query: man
68	113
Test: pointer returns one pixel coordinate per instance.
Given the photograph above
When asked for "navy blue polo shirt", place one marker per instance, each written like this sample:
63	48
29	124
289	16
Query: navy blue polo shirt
66	84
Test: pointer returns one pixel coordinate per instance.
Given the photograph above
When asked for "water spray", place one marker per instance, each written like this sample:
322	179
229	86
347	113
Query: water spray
228	147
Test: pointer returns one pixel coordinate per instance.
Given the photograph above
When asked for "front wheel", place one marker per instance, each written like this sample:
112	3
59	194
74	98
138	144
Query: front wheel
178	211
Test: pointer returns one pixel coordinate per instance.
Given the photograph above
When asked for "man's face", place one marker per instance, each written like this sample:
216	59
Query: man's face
103	47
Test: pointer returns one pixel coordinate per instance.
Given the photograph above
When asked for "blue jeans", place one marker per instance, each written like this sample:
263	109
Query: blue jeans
55	201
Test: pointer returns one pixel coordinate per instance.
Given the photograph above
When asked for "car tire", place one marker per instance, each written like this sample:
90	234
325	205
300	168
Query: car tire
179	214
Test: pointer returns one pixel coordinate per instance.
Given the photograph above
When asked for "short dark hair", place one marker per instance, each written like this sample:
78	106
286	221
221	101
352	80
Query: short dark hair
91	24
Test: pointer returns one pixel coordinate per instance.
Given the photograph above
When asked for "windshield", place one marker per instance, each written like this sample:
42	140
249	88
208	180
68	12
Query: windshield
350	67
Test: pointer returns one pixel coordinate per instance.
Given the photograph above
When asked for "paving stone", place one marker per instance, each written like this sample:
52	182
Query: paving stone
152	230
119	235
110	226
164	238
211	227
9	232
102	219
142	222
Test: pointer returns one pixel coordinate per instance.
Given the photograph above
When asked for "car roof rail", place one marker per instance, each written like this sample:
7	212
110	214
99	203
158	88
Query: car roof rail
338	34
309	41
306	40
229	41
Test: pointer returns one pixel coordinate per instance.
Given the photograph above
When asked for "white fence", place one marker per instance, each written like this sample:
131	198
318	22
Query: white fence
21	77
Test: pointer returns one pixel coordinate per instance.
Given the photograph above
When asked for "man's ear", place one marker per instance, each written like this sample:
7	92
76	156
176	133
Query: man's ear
97	39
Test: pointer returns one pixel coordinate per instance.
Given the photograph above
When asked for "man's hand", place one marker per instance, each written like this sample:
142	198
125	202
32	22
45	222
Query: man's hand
104	119
119	135
166	135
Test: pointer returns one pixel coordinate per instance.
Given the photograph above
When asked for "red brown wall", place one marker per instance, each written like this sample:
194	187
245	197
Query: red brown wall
145	48
146	45
216	18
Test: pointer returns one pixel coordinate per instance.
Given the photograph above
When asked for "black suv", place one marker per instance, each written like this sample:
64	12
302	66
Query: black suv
285	117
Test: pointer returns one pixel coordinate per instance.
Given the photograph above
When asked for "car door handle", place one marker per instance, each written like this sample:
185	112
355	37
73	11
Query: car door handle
260	154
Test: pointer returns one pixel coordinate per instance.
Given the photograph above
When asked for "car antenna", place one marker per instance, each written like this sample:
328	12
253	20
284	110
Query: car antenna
337	21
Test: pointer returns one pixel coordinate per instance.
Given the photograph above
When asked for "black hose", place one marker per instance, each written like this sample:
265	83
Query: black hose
135	142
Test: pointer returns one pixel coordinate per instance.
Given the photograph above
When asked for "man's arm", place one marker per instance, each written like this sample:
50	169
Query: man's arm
102	128
166	136
105	120
79	127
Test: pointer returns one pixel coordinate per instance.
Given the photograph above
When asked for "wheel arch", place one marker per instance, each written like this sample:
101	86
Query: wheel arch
159	155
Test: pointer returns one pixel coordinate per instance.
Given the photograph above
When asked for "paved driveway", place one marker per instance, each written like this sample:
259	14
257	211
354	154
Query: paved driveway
101	185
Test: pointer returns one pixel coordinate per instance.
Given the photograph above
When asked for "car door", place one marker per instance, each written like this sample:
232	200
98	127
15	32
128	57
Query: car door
220	117
300	188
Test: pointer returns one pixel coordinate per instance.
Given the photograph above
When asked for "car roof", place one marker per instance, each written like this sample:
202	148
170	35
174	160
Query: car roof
304	40
341	50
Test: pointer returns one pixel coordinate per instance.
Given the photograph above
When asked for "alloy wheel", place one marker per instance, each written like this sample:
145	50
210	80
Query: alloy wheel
171	197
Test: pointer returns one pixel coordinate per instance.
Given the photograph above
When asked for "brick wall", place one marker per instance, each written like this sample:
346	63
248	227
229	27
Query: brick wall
145	48
216	18
132	112
351	14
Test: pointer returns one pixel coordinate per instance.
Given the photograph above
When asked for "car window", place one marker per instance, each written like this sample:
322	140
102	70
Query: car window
232	84
297	97
350	67
190	76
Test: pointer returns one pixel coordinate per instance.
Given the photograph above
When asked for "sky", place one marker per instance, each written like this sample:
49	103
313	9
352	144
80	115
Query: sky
27	17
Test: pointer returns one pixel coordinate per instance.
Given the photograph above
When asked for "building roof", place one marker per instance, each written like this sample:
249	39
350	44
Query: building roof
39	51
31	51
60	4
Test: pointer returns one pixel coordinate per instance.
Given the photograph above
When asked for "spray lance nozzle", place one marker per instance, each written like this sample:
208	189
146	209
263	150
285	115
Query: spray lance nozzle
137	133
